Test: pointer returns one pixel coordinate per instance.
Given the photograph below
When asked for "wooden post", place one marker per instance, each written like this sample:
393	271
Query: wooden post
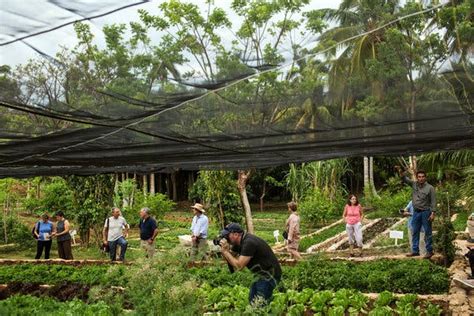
152	183
145	184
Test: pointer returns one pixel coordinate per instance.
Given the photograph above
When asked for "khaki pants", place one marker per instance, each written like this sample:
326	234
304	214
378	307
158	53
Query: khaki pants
354	233
470	228
199	249
149	248
422	241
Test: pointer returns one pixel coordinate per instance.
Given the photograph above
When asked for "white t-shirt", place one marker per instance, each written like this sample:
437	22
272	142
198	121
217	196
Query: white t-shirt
116	227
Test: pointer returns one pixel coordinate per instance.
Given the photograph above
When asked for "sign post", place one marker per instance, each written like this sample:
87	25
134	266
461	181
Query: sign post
396	234
276	233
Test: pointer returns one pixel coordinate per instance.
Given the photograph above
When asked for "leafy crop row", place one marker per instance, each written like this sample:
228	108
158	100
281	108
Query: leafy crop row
291	302
30	305
55	274
399	276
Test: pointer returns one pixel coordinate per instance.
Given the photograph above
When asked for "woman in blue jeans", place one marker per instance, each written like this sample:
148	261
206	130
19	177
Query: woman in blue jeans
44	229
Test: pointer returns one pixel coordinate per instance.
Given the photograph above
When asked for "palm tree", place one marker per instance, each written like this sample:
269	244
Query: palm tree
356	17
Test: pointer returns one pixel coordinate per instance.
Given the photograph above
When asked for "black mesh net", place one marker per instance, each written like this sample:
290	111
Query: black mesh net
69	116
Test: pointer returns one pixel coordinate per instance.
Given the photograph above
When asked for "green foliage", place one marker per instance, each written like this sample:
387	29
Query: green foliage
29	305
296	182
92	201
216	276
17	232
218	190
444	240
448	198
400	276
460	222
56	196
317	207
467	187
171	292
388	204
159	204
56	274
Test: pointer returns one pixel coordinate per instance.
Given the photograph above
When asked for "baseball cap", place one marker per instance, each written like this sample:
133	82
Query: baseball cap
231	228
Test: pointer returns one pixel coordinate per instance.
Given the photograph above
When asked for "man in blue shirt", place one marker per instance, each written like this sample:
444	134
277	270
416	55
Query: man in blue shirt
199	229
148	232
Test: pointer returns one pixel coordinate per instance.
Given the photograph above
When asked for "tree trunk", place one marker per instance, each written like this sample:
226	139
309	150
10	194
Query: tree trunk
116	184
371	177
145	184
413	165
263	195
167	185
221	212
28	189
190	180
152	183
242	184
366	176
5	206
174	186
160	184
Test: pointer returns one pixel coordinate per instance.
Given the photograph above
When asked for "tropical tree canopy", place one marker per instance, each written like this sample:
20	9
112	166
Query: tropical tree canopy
215	92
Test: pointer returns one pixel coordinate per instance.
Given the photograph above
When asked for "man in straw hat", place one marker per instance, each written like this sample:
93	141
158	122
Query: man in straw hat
199	228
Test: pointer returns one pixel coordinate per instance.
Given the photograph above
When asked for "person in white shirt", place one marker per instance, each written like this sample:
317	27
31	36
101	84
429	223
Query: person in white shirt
470	227
199	228
114	233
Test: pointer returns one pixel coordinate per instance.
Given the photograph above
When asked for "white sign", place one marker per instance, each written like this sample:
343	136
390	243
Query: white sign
276	233
396	234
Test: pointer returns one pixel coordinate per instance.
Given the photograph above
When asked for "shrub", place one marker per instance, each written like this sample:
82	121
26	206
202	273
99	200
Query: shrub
389	203
443	240
56	196
317	207
218	190
17	232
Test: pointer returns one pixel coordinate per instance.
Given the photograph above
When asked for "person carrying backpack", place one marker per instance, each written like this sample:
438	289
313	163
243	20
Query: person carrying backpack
43	231
114	233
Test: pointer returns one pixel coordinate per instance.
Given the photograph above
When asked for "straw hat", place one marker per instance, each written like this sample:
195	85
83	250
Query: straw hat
199	207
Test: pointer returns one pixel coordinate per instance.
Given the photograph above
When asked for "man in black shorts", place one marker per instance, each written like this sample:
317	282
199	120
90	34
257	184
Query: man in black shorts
255	254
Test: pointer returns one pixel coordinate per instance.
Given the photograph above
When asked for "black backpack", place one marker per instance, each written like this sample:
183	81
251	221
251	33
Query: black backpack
36	227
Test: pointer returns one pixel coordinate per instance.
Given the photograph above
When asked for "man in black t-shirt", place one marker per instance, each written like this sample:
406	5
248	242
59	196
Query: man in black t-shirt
148	232
255	254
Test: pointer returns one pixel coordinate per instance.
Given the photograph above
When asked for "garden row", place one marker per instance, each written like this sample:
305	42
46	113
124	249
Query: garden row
176	289
234	300
399	276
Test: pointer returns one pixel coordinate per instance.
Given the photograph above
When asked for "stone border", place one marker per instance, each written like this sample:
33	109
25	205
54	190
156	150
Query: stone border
461	301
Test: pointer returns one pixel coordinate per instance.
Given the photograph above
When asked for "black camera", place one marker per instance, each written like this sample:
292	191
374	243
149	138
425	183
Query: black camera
401	211
217	241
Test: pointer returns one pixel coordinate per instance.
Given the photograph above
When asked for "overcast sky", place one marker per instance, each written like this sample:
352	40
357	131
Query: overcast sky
20	18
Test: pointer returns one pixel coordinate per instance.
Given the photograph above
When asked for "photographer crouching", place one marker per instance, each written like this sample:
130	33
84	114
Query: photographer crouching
253	253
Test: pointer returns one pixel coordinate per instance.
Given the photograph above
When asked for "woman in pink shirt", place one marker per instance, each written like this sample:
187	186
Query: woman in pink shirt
353	214
293	230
